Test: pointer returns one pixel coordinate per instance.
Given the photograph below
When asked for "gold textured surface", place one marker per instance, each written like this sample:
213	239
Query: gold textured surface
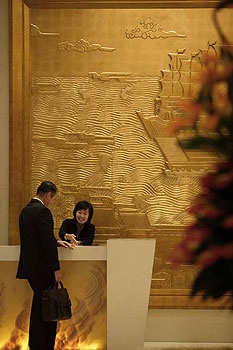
101	86
87	290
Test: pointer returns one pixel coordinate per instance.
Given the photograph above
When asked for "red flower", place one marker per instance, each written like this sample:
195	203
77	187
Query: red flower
214	253
206	181
184	251
215	70
228	222
204	208
220	179
193	110
225	165
195	235
209	256
180	255
223	180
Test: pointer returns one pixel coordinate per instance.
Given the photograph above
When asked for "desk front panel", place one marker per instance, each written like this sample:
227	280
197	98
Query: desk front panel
86	283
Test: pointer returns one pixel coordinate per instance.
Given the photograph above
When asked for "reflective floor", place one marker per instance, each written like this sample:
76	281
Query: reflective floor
188	346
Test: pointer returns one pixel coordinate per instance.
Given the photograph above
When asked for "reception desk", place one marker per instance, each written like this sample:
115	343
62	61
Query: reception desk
109	288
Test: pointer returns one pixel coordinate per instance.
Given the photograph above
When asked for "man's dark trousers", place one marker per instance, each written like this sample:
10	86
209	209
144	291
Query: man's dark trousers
41	334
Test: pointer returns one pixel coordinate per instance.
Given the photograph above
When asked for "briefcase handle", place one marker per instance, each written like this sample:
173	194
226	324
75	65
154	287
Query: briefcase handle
55	284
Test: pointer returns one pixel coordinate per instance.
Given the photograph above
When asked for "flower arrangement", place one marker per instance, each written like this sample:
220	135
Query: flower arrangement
208	241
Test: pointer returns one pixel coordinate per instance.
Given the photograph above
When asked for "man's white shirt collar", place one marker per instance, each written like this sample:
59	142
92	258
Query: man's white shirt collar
38	199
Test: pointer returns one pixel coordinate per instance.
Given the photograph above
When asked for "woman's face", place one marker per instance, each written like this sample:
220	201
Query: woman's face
82	216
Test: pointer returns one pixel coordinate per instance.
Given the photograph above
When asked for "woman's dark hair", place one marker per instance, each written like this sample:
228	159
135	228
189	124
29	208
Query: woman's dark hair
84	205
45	187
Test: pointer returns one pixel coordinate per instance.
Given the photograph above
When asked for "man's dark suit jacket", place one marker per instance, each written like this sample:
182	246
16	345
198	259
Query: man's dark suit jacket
86	234
38	254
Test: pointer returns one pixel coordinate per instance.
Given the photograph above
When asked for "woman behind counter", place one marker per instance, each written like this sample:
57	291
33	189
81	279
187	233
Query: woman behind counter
79	230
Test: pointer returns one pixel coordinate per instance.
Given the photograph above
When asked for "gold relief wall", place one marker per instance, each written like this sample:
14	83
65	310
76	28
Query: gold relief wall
100	84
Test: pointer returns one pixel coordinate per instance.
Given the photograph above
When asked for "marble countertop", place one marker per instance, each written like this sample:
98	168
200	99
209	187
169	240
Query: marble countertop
11	253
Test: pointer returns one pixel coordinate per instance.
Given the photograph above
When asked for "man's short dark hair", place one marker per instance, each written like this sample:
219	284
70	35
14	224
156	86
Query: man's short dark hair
45	187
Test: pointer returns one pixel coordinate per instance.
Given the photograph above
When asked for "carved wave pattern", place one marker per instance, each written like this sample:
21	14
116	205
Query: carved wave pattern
95	291
88	137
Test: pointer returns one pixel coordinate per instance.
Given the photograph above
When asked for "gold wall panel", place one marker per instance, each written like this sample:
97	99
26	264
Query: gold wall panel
99	84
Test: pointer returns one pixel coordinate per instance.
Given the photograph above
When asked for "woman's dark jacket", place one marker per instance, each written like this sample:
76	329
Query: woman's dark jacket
86	235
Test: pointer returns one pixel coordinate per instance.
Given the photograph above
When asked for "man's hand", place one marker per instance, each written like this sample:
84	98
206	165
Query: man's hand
65	244
57	275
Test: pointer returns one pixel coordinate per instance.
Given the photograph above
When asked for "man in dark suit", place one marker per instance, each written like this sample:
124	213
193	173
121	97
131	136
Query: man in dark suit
38	262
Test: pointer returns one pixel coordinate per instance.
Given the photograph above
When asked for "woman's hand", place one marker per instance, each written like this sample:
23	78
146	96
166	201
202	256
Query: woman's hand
65	244
72	238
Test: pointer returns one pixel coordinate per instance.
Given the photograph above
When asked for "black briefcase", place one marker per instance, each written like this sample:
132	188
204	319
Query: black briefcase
56	303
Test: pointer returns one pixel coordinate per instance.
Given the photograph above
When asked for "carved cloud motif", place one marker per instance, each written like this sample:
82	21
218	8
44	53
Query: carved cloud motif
148	29
82	45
